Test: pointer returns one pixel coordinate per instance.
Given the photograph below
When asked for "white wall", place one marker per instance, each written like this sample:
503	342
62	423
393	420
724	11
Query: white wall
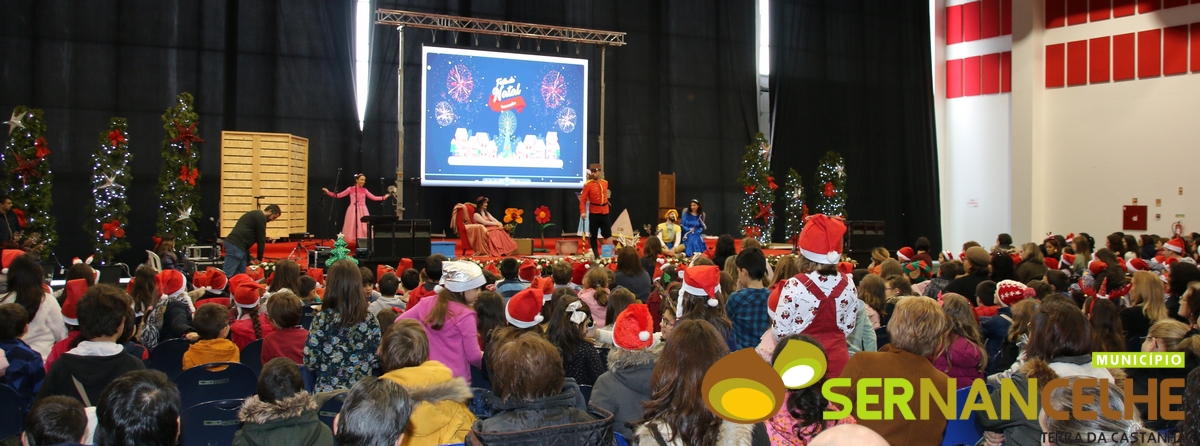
975	170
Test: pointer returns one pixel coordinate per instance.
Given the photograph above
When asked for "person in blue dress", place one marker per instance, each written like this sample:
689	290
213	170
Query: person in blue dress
693	228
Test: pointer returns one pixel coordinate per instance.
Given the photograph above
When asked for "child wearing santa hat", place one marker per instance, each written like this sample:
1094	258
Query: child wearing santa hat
171	317
250	323
626	385
701	297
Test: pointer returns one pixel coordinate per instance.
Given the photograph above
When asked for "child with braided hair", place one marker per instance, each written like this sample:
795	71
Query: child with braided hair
247	322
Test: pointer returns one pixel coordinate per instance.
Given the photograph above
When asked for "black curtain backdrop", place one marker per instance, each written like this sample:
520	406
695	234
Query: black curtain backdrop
854	76
681	97
262	65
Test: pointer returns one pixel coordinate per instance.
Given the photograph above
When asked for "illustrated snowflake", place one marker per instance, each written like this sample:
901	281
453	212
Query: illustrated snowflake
566	119
460	83
443	112
554	89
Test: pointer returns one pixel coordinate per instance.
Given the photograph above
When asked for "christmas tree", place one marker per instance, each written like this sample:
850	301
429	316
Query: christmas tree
110	178
177	184
757	219
339	252
831	185
29	179
797	211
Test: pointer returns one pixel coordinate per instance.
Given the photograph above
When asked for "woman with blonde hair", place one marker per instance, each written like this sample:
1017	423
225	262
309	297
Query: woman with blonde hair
961	355
1147	306
1166	336
878	255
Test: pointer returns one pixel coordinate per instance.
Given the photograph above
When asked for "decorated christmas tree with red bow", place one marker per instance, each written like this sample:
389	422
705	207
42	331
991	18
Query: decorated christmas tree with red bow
178	184
757	218
797	211
28	179
831	185
110	180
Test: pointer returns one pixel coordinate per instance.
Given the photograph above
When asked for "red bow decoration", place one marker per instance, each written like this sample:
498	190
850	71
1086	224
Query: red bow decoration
749	189
25	169
113	229
189	176
752	231
20	217
115	137
43	149
187	136
157	241
771	183
828	189
764	211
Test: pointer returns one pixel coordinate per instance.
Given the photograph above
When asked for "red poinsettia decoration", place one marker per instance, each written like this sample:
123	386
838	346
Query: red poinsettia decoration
771	183
542	215
752	231
25	169
828	192
115	137
189	175
21	220
43	149
187	136
750	189
113	229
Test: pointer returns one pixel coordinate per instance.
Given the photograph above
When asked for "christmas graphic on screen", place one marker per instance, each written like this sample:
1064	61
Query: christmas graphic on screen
503	119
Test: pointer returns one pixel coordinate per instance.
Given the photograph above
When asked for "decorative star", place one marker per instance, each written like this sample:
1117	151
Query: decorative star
184	214
109	181
187	135
764	211
15	121
797	193
25	169
841	170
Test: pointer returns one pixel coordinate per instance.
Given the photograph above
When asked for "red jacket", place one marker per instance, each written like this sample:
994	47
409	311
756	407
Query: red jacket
421	292
595	192
285	343
241	332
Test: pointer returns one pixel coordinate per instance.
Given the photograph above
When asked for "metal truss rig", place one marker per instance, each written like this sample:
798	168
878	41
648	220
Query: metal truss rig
498	27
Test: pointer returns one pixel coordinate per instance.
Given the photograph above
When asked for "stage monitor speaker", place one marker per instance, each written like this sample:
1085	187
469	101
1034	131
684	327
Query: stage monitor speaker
421	246
391	245
864	235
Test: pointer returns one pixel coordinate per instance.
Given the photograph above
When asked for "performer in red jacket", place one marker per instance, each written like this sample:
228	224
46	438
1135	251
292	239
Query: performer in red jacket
593	204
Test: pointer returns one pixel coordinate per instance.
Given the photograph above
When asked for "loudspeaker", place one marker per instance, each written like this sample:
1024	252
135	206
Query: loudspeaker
421	246
389	245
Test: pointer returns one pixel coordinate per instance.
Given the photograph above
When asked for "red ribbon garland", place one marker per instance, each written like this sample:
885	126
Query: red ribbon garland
189	176
113	229
43	149
187	135
115	137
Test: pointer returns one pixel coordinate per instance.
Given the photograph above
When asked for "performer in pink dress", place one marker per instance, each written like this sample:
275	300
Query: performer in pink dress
354	228
499	243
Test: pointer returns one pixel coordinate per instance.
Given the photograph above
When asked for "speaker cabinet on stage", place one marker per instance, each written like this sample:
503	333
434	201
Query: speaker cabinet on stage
862	237
393	238
421	246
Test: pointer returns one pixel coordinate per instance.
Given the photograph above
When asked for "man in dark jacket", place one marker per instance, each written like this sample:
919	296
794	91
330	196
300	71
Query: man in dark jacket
250	229
10	225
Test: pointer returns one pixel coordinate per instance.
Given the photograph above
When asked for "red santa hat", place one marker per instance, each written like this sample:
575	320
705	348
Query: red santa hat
1097	266
634	329
491	268
906	254
847	267
948	255
216	279
1068	260
1009	292
1134	265
1016	258
247	294
545	285
170	282
524	309
318	274
1051	262
1176	245
528	270
404	265
255	272
7	257
200	279
1070	238
380	270
74	291
702	281
237	280
821	239
578	270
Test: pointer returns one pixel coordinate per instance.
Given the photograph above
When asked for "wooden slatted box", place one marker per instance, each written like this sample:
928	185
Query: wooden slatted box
274	165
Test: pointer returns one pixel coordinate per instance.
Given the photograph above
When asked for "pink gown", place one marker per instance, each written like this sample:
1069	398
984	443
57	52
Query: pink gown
499	243
353	228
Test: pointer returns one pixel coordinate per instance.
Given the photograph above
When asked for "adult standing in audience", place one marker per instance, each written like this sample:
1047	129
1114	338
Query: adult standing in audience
12	225
250	229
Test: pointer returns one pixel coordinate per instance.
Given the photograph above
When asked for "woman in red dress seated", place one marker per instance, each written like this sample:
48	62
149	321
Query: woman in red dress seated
499	243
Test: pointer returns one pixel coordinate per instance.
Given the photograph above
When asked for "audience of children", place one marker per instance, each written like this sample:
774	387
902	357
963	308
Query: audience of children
26	288
747	307
171	316
802	415
139	408
376	412
25	370
439	414
511	282
97	358
595	293
249	322
449	321
431	276
56	420
344	336
569	324
625	387
390	295
962	356
288	337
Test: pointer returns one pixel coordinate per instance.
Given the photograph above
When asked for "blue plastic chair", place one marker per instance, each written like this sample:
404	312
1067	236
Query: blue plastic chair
621	441
306	317
202	384
167	356
212	423
959	432
331	408
252	356
586	390
10	412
